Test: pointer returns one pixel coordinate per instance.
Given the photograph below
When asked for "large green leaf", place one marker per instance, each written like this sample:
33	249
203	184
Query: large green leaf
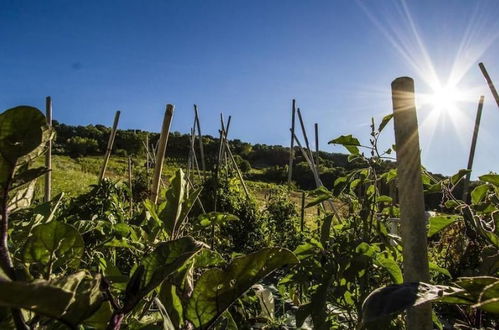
26	176
386	119
458	176
217	289
489	298
349	142
490	178
391	266
478	194
54	243
319	195
88	299
215	218
21	131
396	298
70	299
167	258
179	202
441	222
38	296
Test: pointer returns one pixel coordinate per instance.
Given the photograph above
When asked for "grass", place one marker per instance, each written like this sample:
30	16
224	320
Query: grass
74	176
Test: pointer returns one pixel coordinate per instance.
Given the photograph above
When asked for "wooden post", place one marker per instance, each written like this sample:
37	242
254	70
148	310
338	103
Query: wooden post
472	150
130	184
201	149
489	81
109	148
237	170
160	152
304	131
316	129
412	211
291	148
302	214
48	155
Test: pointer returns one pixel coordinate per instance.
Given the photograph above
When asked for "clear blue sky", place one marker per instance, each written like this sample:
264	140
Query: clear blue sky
249	59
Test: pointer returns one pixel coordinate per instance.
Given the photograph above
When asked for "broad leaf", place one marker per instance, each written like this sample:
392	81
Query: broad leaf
385	121
217	289
458	176
215	218
21	131
490	178
320	195
54	243
37	296
439	223
28	175
349	142
479	193
70	298
166	259
396	298
391	266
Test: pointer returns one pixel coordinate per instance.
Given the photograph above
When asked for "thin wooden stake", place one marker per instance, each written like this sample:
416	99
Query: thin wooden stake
316	130
291	148
302	214
472	150
160	155
201	148
237	170
304	131
412	210
109	148
48	155
130	184
489	81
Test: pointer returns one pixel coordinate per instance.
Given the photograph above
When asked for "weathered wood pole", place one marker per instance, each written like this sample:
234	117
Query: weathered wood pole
201	148
237	169
130	185
302	214
472	150
305	137
316	130
412	210
109	148
48	155
291	148
160	152
489	81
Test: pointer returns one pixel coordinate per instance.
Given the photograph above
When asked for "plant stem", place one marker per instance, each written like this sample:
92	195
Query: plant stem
5	259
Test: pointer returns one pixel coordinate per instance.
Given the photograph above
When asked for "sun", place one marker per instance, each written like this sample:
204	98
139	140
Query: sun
445	99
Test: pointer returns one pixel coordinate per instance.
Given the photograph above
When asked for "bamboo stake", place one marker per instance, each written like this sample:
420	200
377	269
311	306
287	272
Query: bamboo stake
316	129
412	211
302	214
147	154
291	148
304	131
48	155
130	184
472	150
201	148
109	148
489	81
317	179
161	150
237	169
194	160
